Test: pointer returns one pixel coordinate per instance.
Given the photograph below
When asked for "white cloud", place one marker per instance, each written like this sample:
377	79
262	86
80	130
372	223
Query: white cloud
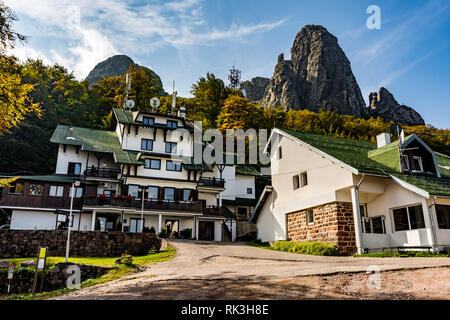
110	26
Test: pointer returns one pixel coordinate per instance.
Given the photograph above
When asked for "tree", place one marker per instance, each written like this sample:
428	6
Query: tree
8	36
15	100
209	94
239	113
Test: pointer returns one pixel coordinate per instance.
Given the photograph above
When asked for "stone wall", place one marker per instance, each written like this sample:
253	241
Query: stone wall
25	243
56	278
333	223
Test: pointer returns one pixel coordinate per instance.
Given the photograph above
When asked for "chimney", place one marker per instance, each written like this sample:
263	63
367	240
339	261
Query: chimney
182	112
383	139
71	137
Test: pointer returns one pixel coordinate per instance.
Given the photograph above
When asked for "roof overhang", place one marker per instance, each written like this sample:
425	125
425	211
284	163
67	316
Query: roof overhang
260	204
310	147
410	187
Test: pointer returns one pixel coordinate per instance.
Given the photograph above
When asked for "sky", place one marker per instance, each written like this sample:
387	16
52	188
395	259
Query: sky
181	40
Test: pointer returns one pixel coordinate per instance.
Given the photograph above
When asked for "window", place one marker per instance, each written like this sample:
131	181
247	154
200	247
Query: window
249	190
187	194
171	147
417	161
300	180
153	164
173	166
303	179
296	181
77	193
36	189
405	162
172	124
148	121
169	193
374	225
133	191
136	225
146	144
16	188
408	218
56	191
280	153
443	216
309	216
152	192
74	169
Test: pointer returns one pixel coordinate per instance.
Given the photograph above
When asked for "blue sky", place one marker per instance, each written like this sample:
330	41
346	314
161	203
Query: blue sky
181	40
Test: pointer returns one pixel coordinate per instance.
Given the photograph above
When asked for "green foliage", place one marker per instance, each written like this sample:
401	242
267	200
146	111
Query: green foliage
126	259
239	113
403	254
164	233
209	94
313	248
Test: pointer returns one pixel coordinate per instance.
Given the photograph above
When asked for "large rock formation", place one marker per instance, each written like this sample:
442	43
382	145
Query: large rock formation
318	76
384	105
114	66
255	89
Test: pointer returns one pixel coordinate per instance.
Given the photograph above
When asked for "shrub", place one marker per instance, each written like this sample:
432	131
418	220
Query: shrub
152	230
313	248
126	259
186	233
164	233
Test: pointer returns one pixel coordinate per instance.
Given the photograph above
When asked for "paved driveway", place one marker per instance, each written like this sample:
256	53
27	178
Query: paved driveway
215	261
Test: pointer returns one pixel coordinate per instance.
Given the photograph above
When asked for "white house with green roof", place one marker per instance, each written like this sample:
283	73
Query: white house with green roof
358	195
137	177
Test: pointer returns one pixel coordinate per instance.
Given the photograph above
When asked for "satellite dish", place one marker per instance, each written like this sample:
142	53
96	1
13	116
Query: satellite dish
244	93
130	104
154	102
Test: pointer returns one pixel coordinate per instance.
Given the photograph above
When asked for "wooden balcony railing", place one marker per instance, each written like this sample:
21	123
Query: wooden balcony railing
149	204
211	182
102	173
28	201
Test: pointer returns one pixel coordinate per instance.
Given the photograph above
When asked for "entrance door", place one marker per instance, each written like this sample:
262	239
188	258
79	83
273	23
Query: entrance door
173	226
102	224
206	230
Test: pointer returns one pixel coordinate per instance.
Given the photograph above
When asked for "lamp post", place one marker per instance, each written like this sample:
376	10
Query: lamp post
142	190
74	184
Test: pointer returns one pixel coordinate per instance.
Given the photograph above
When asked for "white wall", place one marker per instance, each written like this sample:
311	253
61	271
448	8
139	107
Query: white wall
45	220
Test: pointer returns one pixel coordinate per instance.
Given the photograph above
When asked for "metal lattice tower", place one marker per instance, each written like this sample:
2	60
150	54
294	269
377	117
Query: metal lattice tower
235	77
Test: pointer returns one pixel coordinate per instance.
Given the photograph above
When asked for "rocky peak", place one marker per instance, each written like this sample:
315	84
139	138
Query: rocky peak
384	105
255	89
114	66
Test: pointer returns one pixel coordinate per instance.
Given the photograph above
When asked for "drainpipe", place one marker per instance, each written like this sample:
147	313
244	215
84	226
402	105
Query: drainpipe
434	245
357	215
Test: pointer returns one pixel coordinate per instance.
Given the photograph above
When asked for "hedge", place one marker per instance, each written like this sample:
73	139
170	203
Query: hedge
314	248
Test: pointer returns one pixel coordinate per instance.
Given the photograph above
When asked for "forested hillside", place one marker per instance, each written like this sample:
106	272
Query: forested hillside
65	100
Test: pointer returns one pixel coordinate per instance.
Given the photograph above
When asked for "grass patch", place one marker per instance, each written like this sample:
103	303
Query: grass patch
116	271
402	254
312	248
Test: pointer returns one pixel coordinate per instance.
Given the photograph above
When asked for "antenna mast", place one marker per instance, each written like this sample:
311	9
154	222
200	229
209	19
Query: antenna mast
235	77
174	98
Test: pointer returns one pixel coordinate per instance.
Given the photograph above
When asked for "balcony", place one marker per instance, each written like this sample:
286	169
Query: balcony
217	211
27	201
211	182
102	173
150	204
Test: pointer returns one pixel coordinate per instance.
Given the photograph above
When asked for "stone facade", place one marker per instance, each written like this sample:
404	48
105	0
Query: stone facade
333	223
25	243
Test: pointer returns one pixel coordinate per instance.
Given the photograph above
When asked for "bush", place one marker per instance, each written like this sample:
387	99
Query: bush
186	233
126	259
313	248
402	254
152	230
163	233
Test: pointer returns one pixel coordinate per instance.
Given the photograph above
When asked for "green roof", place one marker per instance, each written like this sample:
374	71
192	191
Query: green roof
367	158
129	117
95	141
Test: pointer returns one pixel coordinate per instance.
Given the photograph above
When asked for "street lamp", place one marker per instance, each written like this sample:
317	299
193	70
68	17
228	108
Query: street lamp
74	184
142	190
